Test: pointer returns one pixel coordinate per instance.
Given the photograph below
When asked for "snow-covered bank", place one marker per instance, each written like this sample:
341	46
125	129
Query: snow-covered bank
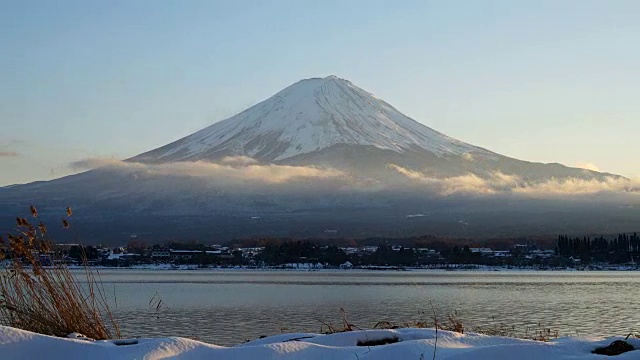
405	344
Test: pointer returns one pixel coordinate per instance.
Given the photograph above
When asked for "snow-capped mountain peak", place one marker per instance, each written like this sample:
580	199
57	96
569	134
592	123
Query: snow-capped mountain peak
310	115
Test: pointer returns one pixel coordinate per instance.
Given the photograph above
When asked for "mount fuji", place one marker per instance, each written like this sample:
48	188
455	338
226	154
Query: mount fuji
309	116
331	122
325	158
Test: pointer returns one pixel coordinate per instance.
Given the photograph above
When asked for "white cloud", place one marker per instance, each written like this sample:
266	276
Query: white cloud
504	183
238	160
229	169
238	170
93	163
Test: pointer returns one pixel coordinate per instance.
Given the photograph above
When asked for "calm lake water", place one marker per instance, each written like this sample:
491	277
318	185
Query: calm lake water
228	307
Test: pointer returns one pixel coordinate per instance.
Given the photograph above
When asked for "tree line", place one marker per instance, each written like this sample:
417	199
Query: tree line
622	249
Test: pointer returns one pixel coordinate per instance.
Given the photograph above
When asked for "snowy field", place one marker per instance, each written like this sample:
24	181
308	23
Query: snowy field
363	345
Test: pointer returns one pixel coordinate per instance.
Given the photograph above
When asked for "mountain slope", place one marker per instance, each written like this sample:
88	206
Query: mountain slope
308	116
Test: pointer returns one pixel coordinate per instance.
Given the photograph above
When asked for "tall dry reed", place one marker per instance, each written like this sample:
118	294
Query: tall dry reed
39	293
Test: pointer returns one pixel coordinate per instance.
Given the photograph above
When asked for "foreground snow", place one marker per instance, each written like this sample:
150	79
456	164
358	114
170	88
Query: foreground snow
411	344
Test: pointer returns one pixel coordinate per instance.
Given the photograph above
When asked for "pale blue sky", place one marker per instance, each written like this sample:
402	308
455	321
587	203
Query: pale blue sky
550	81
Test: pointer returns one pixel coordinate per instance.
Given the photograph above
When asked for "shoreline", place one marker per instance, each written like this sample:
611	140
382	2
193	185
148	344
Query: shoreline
306	268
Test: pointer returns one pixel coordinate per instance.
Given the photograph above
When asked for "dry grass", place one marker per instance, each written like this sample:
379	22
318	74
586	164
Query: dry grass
452	323
39	293
539	332
328	328
501	329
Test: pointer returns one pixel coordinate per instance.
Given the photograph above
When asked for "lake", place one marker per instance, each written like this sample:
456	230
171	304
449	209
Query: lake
227	307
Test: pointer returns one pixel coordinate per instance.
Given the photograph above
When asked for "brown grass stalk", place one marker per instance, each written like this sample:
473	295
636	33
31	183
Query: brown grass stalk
39	293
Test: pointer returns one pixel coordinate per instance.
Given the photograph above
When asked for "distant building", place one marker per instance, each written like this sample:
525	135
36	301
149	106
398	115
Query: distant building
251	252
502	254
481	251
346	265
350	250
184	254
369	249
64	247
158	254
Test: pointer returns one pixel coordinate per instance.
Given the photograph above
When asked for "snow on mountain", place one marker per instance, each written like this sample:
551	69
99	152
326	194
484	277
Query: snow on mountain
308	116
